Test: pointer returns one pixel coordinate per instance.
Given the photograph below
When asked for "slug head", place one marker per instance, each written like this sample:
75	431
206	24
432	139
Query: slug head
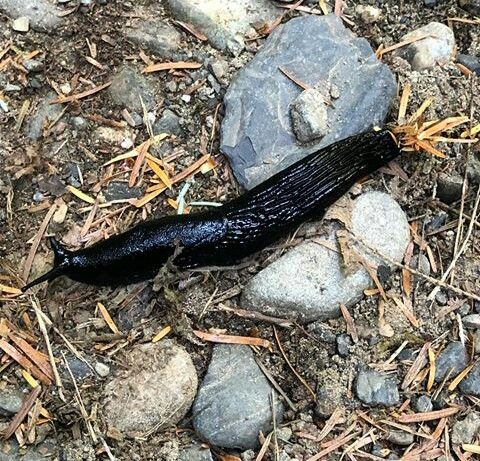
61	263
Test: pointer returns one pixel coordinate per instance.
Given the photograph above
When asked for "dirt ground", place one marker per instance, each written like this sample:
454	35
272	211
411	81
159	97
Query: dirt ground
34	175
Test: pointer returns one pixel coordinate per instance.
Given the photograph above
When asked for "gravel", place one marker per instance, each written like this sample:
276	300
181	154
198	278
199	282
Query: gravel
11	400
234	400
43	115
157	36
471	321
465	430
471	383
449	187
129	87
423	404
257	133
453	359
155	390
376	389
195	453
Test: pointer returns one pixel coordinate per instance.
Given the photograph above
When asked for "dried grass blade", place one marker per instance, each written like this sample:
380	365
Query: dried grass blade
431	371
161	334
419	112
351	329
295	372
460	377
160	173
402	110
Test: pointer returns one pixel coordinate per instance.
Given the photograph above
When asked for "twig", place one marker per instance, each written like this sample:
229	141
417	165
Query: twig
43	329
432	294
20	416
36	242
274	383
295	372
432	280
83	410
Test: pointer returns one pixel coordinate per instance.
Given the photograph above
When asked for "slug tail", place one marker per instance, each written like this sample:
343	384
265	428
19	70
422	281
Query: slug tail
59	265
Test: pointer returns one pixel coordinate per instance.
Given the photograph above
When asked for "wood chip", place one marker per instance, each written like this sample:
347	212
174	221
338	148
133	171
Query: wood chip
230	339
84	94
170	66
10	290
471	448
38	358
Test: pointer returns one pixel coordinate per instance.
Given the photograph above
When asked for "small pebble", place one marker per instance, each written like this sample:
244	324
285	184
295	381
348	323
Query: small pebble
38	196
401	438
470	62
186	98
102	369
471	321
423	404
343	345
33	65
21	24
441	298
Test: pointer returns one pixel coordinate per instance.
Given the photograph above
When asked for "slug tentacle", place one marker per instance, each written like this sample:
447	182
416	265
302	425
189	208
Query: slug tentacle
226	235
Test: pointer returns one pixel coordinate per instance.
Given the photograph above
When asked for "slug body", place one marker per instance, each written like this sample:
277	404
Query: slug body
226	235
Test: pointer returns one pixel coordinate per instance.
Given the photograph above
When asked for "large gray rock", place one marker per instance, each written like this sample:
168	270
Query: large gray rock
234	400
158	37
225	23
310	282
376	389
155	390
42	14
45	114
257	134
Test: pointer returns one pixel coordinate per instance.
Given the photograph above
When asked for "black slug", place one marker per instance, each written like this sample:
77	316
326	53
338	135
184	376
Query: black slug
226	235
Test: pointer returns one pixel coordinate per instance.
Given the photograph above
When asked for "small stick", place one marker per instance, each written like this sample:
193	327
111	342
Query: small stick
295	372
43	329
462	249
274	383
36	242
19	417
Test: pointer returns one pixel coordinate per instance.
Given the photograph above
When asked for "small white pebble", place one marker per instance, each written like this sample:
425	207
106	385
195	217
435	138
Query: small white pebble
21	24
102	369
127	143
65	88
186	98
3	105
